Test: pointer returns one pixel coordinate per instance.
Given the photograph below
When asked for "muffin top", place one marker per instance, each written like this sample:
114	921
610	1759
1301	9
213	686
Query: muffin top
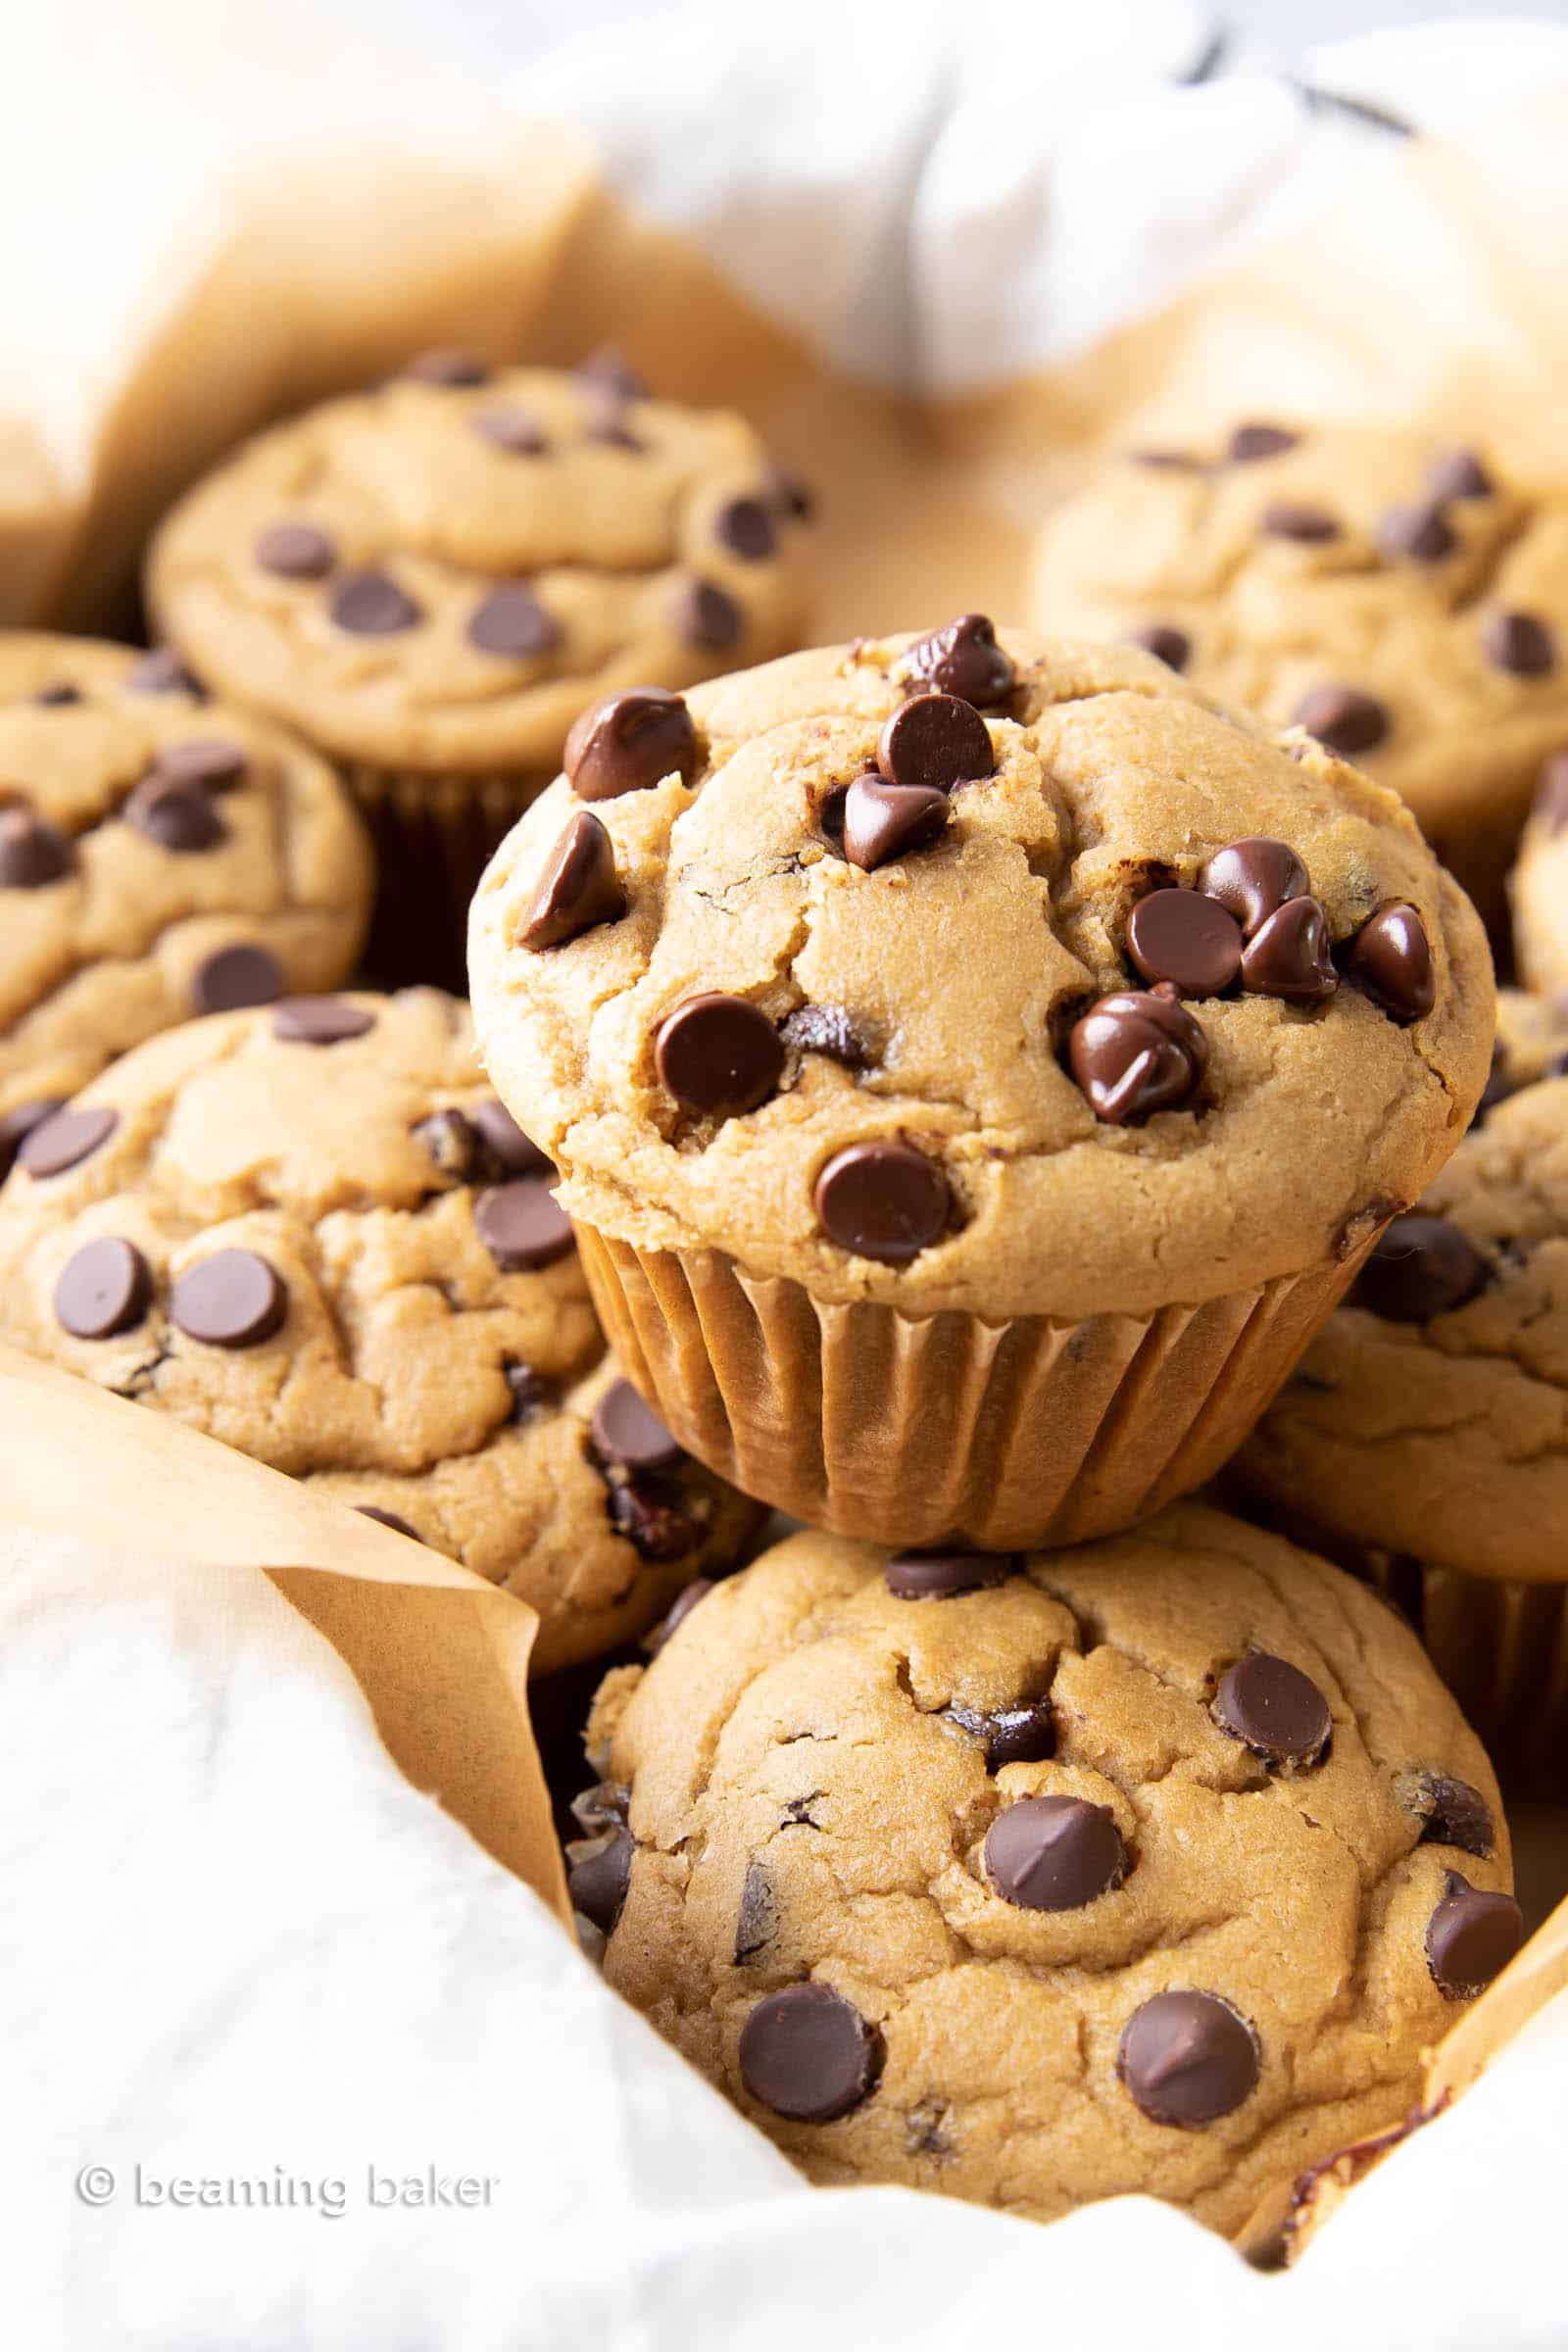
978	973
1430	1417
438	573
1403	599
311	1231
160	855
1532	1043
1154	1865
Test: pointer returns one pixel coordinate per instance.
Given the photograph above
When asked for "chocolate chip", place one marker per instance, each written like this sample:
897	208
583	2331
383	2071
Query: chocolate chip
1459	473
295	551
523	1225
1310	526
178	817
162	671
882	1201
60	696
630	1433
1423	533
1274	1709
746	527
1252	878
883	822
1519	643
32	852
1134	1054
1250	442
1291	956
653	1520
531	1393
319	1020
1450	1811
512	623
789	495
806	2053
1053	1853
1165	642
1187	2058
231	978
703	616
934	741
1186	938
371	604
757	1915
1551	793
578	889
630	743
230	1300
599	1807
680	1609
65	1140
1471	1937
1025	1735
606	422
1420	1267
964	659
398	1527
716	1054
1344	719
939	1574
610	370
211	762
448	365
511	429
16	1125
827	1029
1390	958
512	1151
105	1288
830	815
598	1882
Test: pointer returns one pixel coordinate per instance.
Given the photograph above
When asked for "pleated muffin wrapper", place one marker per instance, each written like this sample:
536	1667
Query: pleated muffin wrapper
915	1430
434	835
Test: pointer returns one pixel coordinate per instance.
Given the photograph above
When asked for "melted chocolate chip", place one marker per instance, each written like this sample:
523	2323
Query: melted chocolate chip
371	604
209	762
1291	954
523	1225
1274	1709
598	1880
1390	959
964	659
163	671
1344	719
1136	1053
630	743
882	1201
1309	526
653	1519
178	817
1187	2058
883	822
1451	1812
1420	534
630	1433
32	852
719	1054
1520	643
1459	473
231	1300
532	1395
939	1574
1420	1267
578	889
806	2053
231	978
934	741
1252	878
1166	641
106	1287
319	1020
66	1139
827	1029
382	1518
1250	442
746	527
1054	1853
1023	1734
1186	938
1471	1937
295	551
512	624
703	616
680	1609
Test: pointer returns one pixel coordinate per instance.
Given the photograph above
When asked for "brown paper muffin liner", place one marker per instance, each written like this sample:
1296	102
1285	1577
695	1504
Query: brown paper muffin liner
434	835
920	1431
1502	1647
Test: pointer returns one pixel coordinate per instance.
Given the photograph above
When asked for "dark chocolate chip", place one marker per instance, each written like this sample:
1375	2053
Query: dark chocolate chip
1471	1937
808	2054
454	1143
448	365
233	978
295	551
830	815
512	623
1024	1735
883	822
598	1881
1136	1053
1274	1709
1520	643
630	743
1421	534
934	741
211	762
789	495
679	1610
60	696
1187	2058
230	1300
371	604
1420	1267
1252	878
1390	958
1291	954
162	671
757	1915
746	529
939	1574
1344	719
16	1125
608	369
1186	938
1551	793
32	852
703	616
512	1151
630	1433
1165	642
1250	442
719	1054
511	429
1053	1853
1310	526
64	1139
578	889
178	817
532	1395
523	1225
105	1288
398	1527
654	1521
964	659
827	1029
1459	473
882	1201
320	1020
1451	1812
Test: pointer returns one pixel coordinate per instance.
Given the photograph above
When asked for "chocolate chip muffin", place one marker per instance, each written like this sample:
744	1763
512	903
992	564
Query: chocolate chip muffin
1424	1439
1154	1866
313	1233
1531	1044
432	579
1406	602
1539	884
975	1066
160	856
